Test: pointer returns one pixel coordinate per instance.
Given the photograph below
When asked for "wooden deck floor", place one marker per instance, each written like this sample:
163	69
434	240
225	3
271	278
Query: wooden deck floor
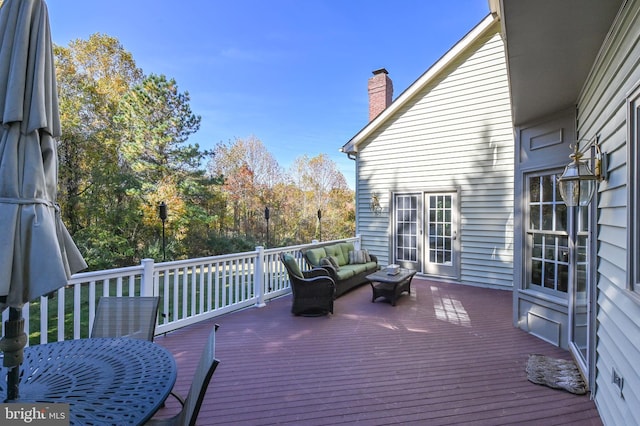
445	355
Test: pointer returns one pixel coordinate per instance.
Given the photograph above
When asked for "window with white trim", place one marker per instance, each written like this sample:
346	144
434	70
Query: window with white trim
548	259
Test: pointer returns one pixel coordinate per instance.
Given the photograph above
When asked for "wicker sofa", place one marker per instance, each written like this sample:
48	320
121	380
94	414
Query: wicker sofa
347	266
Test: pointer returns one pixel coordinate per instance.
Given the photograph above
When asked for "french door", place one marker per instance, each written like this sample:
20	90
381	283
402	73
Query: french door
426	232
408	231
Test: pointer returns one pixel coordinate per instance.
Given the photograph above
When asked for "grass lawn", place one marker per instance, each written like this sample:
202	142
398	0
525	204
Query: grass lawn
231	288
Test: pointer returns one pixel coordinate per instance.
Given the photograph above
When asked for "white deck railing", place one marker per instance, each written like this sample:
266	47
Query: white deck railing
190	290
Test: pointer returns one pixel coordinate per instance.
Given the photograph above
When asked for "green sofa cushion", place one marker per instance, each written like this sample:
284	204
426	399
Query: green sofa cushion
371	265
346	248
345	273
358	267
292	265
336	251
314	255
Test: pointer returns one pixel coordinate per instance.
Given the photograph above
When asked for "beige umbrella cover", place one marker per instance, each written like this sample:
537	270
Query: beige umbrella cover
37	255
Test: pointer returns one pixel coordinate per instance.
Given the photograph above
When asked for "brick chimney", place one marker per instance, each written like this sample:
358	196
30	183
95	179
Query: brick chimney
380	92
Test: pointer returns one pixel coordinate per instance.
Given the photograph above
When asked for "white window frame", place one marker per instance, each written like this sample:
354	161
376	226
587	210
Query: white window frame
556	203
633	190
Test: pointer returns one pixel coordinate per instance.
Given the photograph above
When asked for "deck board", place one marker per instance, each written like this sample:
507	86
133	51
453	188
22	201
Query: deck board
445	355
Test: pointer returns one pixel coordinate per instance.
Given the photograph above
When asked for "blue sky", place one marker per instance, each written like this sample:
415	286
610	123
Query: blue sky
292	73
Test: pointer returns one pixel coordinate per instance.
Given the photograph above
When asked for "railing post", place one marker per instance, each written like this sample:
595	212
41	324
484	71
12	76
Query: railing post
358	242
146	284
258	278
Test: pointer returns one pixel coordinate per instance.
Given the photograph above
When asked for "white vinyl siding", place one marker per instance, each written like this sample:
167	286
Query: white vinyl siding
602	110
454	133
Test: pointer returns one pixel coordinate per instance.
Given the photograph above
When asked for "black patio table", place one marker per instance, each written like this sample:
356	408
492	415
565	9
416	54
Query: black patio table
390	286
118	381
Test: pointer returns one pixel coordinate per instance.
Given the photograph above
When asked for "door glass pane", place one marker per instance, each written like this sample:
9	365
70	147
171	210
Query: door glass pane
406	227
440	229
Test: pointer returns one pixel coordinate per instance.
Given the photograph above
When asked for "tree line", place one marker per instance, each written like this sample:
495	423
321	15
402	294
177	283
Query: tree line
125	149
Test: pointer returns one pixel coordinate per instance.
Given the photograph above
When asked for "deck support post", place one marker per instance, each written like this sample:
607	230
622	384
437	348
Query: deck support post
258	277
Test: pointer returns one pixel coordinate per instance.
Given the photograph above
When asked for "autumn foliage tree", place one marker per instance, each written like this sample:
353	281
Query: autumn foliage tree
92	76
125	148
250	173
322	187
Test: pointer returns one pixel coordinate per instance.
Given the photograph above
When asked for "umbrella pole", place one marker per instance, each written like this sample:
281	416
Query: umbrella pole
12	344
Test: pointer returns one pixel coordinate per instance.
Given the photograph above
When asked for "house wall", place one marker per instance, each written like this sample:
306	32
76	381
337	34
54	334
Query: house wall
454	134
602	111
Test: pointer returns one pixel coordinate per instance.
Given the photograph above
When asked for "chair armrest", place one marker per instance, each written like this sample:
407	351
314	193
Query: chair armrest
330	271
178	397
313	286
168	421
316	272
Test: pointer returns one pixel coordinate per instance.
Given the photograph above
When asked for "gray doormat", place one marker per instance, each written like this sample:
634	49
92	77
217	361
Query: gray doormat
555	373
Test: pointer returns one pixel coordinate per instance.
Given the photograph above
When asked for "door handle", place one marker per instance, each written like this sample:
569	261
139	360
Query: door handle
455	235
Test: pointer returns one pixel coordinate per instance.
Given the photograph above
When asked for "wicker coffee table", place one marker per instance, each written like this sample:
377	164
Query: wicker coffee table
390	286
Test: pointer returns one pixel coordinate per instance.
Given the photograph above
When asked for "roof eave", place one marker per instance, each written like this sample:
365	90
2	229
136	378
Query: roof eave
551	47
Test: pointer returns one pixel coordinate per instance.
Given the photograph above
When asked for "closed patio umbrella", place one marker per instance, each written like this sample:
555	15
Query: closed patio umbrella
37	254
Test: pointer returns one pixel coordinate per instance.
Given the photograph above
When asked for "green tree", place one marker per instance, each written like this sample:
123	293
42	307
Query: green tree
92	76
155	121
125	148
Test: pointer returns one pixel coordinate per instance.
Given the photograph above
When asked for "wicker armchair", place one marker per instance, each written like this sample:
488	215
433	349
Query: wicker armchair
313	291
